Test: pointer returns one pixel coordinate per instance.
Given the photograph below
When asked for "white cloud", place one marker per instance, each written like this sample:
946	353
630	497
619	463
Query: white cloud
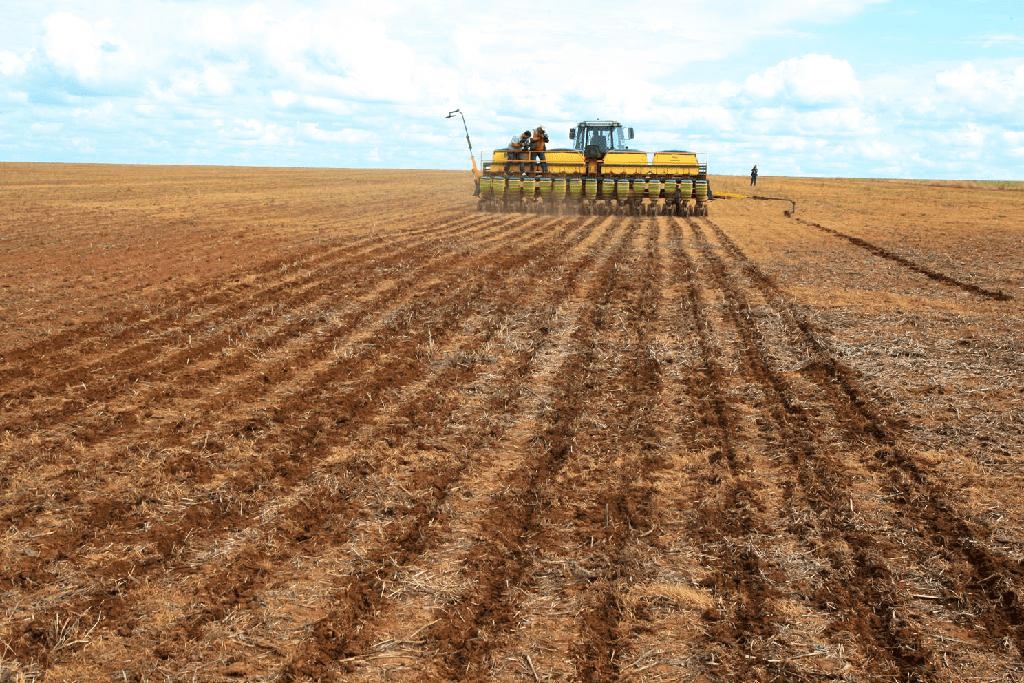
1014	142
810	79
216	81
73	45
83	144
283	98
330	105
202	82
46	128
1003	40
12	64
827	121
881	152
969	137
837	120
101	113
218	28
90	51
973	135
256	132
286	99
991	88
368	63
344	136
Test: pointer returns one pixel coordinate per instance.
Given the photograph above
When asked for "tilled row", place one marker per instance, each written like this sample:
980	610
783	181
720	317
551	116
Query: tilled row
590	517
422	528
140	343
924	506
868	600
164	409
419	491
432	453
169	533
882	252
227	336
615	506
216	233
499	559
731	515
506	409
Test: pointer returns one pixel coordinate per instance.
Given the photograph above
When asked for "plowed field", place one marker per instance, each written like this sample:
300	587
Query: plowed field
310	425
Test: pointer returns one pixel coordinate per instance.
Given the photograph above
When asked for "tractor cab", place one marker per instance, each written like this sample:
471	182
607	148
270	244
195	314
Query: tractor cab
596	138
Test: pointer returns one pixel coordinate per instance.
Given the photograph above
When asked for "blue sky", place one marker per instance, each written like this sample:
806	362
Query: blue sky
851	88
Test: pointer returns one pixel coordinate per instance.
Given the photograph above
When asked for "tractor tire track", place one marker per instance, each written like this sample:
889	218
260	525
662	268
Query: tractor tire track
870	600
997	295
499	559
998	580
410	535
740	575
405	535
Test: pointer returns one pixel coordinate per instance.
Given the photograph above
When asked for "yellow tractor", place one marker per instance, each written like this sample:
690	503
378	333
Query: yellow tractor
599	175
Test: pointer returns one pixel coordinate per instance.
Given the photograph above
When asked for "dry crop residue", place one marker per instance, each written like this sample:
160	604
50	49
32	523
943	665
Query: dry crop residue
272	424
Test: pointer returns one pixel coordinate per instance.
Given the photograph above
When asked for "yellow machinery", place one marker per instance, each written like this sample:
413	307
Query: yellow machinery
599	175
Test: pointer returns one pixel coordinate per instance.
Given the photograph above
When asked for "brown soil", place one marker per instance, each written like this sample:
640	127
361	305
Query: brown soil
308	425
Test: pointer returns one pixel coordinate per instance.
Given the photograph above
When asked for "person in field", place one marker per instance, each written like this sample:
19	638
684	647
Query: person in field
526	141
753	175
538	143
513	152
519	145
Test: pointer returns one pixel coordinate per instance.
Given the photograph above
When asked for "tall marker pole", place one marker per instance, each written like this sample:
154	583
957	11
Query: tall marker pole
472	159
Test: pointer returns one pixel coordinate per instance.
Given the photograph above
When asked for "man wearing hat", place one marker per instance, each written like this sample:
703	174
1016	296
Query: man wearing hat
538	143
517	145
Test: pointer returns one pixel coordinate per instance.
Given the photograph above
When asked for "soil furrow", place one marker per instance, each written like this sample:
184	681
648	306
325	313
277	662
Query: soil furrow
331	525
997	580
870	602
617	509
99	506
140	340
411	532
401	351
594	520
115	298
497	561
740	575
535	346
255	377
907	263
323	424
228	341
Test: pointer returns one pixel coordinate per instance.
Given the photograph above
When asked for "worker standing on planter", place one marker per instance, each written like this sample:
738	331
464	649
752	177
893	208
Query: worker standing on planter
538	143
